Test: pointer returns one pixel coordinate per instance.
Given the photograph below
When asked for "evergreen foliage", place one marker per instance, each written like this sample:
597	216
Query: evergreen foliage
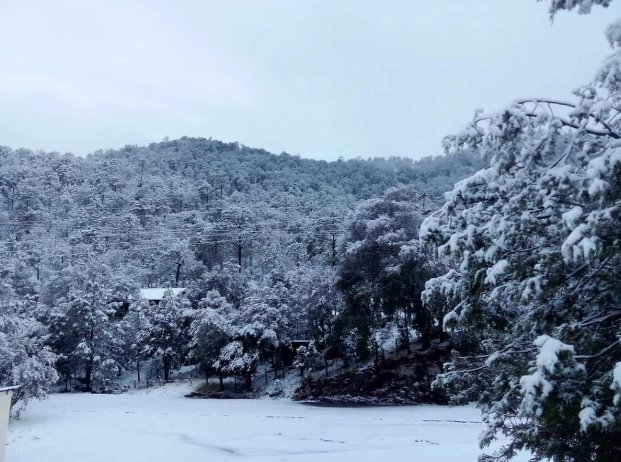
537	257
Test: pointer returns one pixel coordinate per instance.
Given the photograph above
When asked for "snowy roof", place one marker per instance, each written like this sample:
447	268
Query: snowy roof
157	293
5	389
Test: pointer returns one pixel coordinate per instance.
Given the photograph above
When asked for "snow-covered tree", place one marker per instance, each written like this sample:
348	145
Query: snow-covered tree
537	251
135	326
238	226
211	330
25	359
88	337
266	322
306	359
164	337
582	6
384	269
236	360
318	301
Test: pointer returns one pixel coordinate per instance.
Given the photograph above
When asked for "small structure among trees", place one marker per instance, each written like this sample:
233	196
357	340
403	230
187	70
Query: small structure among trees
156	294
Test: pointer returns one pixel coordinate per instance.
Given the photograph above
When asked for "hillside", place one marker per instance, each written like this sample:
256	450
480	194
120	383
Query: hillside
262	243
155	201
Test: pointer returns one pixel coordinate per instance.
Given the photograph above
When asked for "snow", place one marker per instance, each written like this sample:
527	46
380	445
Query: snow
587	418
570	248
430	225
598	186
161	425
549	350
536	386
572	217
616	383
450	318
493	273
285	387
5	389
532	288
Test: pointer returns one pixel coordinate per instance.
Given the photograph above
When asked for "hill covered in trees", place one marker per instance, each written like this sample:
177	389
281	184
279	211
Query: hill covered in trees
196	201
258	239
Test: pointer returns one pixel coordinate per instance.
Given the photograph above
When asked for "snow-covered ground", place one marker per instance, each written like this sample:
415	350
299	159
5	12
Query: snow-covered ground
161	425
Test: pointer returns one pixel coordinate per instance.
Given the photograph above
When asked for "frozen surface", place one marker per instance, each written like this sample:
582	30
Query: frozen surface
161	425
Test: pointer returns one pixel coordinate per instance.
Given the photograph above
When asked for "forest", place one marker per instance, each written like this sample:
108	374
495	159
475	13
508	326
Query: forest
489	274
257	240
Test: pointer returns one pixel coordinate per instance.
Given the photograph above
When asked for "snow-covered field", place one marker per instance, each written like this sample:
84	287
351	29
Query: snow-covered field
161	425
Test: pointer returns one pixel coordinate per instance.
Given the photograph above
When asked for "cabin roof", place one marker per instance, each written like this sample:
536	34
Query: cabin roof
157	293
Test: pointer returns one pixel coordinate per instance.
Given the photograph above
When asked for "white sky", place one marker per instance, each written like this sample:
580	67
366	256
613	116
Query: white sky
321	78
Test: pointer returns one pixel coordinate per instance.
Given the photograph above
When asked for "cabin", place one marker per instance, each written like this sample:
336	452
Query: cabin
155	294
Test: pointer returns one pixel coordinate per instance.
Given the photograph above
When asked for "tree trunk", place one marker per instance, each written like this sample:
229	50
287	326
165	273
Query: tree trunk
425	330
425	341
179	263
248	381
166	363
88	375
408	316
239	255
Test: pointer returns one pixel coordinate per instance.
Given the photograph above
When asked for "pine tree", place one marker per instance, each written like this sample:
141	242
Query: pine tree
211	330
165	338
535	238
25	359
89	338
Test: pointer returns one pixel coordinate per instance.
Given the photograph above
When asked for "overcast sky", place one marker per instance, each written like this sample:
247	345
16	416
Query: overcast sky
322	78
